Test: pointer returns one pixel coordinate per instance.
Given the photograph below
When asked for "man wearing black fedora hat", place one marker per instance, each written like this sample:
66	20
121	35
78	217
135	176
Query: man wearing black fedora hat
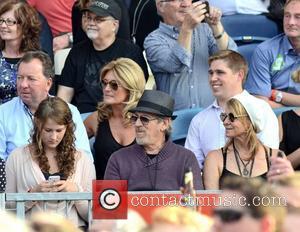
154	162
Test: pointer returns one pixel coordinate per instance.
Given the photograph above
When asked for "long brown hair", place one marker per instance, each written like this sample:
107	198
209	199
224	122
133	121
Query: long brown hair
28	20
252	143
56	109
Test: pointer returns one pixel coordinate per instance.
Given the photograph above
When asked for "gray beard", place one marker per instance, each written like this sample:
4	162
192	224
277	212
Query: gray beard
91	34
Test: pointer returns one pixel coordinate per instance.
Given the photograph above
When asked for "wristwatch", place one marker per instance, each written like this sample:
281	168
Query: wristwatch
70	36
278	96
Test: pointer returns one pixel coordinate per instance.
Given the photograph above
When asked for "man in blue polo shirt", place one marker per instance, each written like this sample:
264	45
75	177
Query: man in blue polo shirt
34	80
275	67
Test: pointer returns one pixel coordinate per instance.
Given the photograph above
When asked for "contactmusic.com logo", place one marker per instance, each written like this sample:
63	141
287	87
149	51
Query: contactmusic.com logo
110	200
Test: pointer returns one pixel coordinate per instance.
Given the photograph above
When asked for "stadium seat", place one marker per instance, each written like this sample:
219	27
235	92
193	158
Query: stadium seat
181	124
247	50
280	110
245	28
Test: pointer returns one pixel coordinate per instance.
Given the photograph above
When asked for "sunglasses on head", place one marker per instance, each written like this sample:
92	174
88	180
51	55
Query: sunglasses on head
112	84
228	215
230	116
144	119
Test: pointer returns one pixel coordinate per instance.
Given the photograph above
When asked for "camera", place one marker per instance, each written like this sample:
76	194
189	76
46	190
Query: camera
206	5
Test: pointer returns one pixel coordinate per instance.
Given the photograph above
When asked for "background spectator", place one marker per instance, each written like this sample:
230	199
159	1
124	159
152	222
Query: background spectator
58	15
79	30
19	33
275	61
35	72
289	127
79	81
178	50
240	210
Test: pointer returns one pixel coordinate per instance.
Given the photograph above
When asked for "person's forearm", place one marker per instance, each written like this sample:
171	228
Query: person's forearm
221	36
290	99
273	104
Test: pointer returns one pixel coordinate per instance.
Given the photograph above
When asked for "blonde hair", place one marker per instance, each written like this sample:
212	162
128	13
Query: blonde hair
290	181
131	77
251	140
51	222
180	216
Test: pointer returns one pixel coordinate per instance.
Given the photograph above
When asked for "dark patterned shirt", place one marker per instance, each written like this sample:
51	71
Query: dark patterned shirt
8	78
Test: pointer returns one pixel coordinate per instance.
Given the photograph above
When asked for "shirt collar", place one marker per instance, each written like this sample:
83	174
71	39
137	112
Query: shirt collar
168	29
287	46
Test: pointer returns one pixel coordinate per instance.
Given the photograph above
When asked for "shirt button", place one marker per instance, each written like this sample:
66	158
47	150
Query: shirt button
190	70
193	105
192	86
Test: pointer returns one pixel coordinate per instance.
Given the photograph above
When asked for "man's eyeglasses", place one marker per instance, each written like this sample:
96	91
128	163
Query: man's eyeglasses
180	1
228	215
231	116
112	84
97	19
144	119
8	22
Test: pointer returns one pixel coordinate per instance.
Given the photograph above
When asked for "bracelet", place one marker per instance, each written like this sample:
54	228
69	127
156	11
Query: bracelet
220	35
273	95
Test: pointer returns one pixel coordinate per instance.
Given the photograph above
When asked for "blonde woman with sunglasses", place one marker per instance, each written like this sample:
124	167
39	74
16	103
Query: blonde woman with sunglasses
123	83
243	155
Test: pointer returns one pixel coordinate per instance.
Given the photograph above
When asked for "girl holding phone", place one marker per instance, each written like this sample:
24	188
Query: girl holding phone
52	152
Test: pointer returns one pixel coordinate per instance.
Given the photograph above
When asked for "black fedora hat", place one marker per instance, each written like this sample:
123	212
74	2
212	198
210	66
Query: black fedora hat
155	102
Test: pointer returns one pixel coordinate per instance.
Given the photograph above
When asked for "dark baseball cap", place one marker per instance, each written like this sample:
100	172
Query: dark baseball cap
105	8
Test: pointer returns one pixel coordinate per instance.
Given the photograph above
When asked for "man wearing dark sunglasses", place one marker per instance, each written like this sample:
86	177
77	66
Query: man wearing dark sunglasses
248	205
154	162
227	73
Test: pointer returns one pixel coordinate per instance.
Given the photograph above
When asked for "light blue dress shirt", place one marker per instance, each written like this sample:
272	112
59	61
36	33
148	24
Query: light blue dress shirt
272	64
16	125
182	74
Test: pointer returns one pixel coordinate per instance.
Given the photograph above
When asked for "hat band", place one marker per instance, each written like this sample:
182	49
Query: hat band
165	111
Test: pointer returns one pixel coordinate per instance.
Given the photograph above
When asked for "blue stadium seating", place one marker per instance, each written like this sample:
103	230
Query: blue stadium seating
247	50
245	28
181	124
280	110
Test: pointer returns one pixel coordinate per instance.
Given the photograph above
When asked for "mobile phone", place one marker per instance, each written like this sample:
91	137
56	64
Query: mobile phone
53	178
206	5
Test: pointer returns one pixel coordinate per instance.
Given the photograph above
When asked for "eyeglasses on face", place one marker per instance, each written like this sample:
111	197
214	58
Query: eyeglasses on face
144	119
177	1
112	84
231	116
228	215
97	19
8	22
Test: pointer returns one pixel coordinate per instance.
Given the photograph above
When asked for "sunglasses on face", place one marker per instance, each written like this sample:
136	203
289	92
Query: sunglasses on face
144	119
228	215
112	84
230	116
